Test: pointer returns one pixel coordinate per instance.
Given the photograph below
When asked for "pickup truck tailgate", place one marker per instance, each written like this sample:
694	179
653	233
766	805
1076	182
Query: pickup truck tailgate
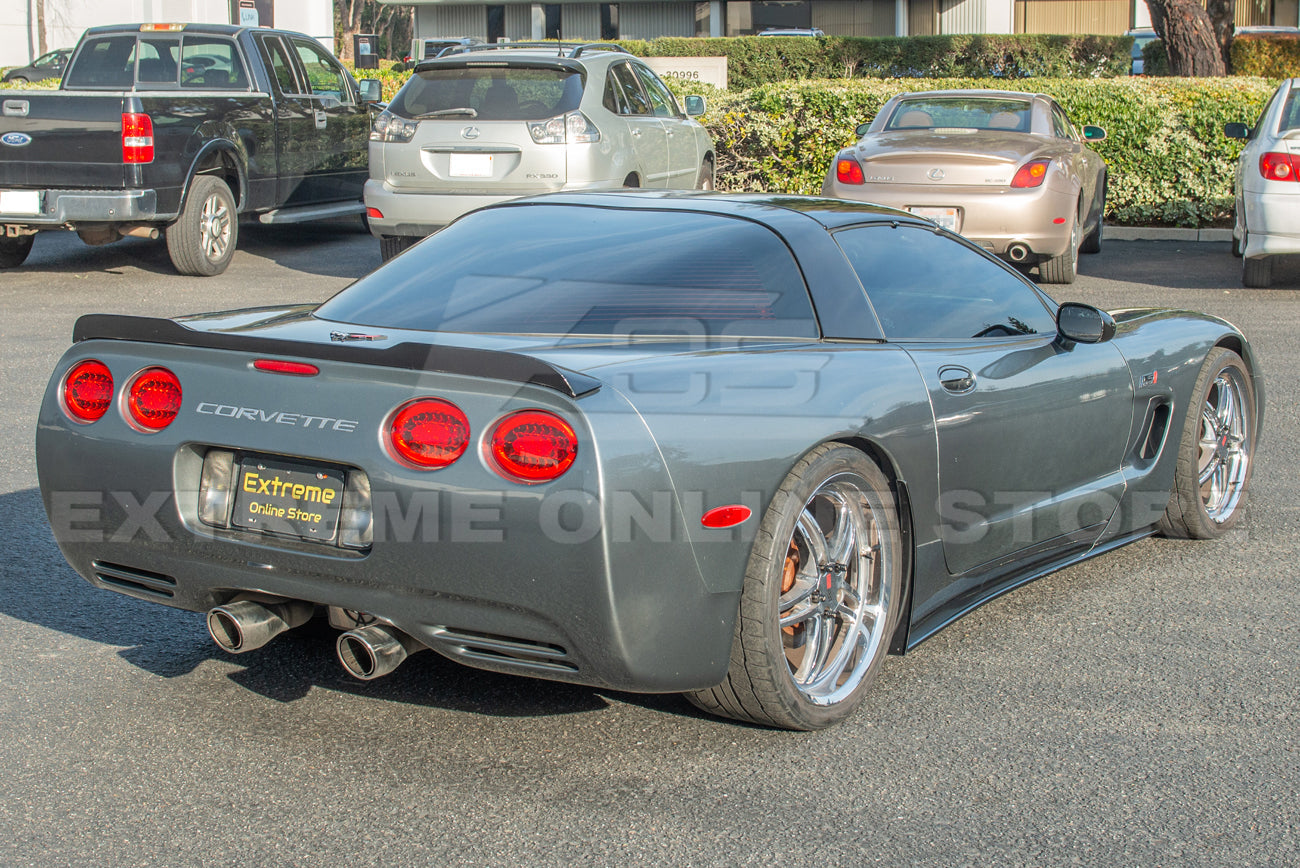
75	140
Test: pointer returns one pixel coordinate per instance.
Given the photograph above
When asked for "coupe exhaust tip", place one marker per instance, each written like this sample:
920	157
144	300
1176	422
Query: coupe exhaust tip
246	626
1017	252
374	651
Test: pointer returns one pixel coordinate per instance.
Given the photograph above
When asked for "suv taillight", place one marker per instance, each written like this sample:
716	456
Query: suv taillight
153	399
532	446
428	433
137	138
388	127
1275	166
88	391
573	128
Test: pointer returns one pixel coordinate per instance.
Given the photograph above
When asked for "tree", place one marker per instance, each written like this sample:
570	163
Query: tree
393	25
1197	39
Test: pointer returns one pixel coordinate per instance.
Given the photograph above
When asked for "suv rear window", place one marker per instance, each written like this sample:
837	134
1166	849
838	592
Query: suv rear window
573	270
494	93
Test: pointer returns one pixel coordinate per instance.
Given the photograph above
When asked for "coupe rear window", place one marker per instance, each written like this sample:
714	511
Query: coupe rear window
489	93
570	270
978	113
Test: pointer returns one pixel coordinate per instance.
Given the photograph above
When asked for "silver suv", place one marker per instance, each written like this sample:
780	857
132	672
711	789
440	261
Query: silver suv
495	122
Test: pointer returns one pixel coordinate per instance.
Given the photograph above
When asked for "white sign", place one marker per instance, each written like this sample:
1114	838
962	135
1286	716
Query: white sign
710	70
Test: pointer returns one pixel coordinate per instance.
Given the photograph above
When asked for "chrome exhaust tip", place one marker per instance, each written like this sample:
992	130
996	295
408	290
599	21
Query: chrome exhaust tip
1017	252
246	626
374	651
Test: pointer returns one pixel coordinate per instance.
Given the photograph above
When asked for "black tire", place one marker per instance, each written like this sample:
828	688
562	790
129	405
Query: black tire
834	494
705	180
391	245
1063	269
202	241
1257	273
1238	236
1215	453
13	251
1092	241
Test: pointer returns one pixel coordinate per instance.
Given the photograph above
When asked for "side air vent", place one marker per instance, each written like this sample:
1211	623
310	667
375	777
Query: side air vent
503	650
135	581
1157	425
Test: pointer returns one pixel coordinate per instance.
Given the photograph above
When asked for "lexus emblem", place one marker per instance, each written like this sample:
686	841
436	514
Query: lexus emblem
470	132
935	174
17	140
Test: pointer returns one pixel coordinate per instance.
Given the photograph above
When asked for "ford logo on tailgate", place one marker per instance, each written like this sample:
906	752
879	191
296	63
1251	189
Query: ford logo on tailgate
17	140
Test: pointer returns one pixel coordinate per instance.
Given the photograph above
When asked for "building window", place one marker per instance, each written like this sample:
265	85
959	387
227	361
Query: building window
609	21
496	23
552	29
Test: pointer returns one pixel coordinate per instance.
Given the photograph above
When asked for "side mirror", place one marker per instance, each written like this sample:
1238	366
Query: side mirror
1236	131
1093	134
695	105
861	129
372	90
1084	323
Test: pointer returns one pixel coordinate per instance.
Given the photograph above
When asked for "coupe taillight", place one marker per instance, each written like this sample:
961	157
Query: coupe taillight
153	399
429	433
1031	174
137	137
88	391
848	171
1275	166
533	446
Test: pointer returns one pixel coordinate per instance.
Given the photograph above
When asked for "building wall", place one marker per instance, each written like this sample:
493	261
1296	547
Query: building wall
1072	16
648	20
854	17
66	20
453	21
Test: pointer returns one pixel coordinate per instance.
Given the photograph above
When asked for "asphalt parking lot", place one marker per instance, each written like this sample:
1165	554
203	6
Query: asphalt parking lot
1140	709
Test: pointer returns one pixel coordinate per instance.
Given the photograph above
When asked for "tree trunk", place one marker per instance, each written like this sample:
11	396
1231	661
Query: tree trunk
40	28
1189	37
348	24
1222	13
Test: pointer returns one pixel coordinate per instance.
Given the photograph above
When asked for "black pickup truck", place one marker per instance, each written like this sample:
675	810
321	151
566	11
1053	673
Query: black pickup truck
179	129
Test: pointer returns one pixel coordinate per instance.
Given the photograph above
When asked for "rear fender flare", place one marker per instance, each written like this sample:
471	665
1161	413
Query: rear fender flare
224	157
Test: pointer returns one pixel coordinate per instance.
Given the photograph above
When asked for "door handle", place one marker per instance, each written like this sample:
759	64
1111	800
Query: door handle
956	379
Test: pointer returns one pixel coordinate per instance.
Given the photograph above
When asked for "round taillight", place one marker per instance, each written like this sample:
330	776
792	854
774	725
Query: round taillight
88	391
429	433
153	399
533	446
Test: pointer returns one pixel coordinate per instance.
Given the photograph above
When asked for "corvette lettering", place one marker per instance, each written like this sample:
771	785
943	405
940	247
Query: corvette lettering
277	417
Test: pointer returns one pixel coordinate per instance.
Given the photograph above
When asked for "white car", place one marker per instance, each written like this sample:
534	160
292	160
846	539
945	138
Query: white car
1267	186
487	123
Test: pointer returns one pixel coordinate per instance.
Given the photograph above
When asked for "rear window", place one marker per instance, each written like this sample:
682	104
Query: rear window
104	62
489	93
156	61
557	269
971	113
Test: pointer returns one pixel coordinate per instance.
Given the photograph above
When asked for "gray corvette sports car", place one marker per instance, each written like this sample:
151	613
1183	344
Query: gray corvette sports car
739	447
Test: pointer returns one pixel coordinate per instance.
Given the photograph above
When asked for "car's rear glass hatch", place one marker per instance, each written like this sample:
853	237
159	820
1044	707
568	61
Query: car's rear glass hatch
490	92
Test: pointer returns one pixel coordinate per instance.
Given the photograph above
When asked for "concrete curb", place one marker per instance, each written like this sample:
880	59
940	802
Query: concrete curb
1158	233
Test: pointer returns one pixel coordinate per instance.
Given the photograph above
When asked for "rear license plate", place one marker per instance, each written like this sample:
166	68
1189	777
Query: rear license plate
948	218
470	165
20	202
288	498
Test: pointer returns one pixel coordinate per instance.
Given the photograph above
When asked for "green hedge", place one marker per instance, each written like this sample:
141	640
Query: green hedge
1170	163
1267	55
753	61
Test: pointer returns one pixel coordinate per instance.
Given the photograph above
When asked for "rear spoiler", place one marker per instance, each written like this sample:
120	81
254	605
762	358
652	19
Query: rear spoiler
467	361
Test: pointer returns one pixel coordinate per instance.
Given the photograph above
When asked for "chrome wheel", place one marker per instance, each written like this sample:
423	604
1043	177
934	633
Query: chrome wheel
214	228
834	601
1223	459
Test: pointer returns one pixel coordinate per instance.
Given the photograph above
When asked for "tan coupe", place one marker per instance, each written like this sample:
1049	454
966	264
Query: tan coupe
1007	170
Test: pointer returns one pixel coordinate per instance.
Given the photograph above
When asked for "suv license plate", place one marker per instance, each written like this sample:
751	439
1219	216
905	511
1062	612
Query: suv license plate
289	499
20	202
948	218
470	165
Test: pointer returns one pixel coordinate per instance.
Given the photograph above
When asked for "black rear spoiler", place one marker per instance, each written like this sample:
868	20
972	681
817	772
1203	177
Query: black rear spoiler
492	364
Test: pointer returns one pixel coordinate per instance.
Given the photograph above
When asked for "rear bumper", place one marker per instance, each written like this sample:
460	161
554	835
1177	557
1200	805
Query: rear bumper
61	207
993	218
1272	224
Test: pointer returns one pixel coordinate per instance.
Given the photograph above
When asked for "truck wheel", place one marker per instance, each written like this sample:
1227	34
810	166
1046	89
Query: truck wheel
202	241
13	251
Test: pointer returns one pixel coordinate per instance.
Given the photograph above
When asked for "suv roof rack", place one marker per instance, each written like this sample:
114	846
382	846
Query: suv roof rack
573	49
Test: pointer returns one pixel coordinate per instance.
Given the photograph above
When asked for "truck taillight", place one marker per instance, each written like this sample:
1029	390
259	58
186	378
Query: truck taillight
533	446
137	137
1275	166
